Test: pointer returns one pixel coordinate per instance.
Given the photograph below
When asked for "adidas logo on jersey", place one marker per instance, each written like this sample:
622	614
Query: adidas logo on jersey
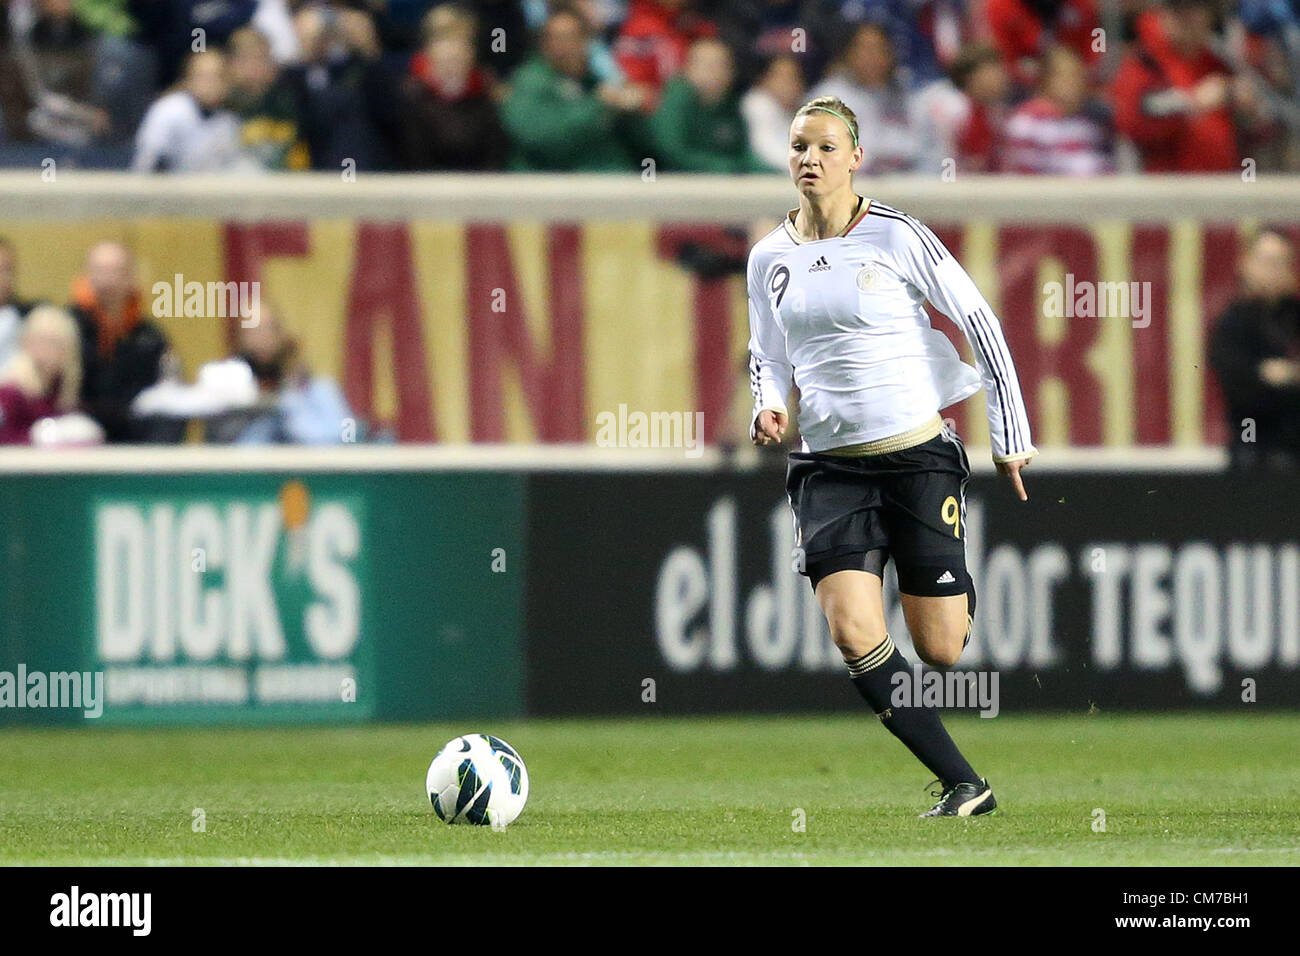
945	578
821	265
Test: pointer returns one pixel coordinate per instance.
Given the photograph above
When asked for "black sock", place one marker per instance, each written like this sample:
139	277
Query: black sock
918	727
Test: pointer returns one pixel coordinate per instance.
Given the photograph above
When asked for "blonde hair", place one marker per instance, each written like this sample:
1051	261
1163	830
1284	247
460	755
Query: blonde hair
22	371
833	106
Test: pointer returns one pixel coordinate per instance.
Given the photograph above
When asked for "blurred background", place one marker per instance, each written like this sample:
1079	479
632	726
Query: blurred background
387	360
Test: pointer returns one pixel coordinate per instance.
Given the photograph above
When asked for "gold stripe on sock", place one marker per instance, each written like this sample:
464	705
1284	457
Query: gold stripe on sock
883	446
872	660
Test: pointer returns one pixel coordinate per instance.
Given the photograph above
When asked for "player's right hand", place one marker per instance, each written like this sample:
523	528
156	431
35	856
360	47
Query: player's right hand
1012	469
770	427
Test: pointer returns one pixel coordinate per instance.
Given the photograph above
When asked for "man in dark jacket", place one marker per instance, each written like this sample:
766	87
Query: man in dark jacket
121	348
349	104
451	118
1255	351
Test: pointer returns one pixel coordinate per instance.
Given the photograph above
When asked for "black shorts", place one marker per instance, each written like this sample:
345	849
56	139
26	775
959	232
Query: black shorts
856	513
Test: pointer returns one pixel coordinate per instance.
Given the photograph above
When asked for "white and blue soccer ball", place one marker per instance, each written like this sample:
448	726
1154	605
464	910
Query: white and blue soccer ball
477	779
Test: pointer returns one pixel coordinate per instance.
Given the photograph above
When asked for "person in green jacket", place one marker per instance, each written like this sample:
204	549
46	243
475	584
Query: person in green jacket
560	117
271	127
698	126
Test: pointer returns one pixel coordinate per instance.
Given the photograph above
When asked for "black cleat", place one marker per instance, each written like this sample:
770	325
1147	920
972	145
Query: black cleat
963	800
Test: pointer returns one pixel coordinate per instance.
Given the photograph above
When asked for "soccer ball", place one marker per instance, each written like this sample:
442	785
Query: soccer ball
477	779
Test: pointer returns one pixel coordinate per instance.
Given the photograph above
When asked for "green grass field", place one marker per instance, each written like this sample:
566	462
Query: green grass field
1190	790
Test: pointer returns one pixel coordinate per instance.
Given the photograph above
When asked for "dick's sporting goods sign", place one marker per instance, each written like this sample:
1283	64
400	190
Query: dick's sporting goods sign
230	601
262	597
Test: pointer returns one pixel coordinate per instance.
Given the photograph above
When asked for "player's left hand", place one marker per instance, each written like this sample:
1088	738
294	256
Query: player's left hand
1012	470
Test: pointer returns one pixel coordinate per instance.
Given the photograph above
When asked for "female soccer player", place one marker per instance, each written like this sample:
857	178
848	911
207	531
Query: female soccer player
836	306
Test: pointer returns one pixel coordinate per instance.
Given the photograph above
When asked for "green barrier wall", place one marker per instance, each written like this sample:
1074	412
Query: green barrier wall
263	598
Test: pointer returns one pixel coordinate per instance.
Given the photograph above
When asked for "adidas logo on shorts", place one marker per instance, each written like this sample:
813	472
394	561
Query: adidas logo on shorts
945	578
821	265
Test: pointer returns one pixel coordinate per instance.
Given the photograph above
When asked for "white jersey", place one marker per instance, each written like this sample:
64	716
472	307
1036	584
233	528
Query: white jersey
177	136
844	319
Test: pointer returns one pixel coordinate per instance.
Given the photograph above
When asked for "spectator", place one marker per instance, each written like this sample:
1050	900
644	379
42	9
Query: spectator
297	407
12	309
698	126
350	104
264	101
1023	30
55	59
959	120
190	130
769	107
655	38
42	379
560	117
451	118
1175	97
63	42
121	349
1255	352
927	34
1060	132
866	80
125	70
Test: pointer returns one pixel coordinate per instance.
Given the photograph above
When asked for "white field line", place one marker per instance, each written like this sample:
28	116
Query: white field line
492	858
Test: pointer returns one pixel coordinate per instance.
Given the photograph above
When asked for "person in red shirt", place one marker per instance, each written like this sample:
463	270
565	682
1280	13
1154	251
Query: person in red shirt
1059	132
1175	98
1023	30
652	44
42	380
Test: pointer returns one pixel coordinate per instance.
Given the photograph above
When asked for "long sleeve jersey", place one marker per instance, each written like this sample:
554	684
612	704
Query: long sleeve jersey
844	319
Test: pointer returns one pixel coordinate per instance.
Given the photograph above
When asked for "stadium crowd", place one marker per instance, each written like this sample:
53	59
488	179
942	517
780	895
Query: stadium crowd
1072	87
101	370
